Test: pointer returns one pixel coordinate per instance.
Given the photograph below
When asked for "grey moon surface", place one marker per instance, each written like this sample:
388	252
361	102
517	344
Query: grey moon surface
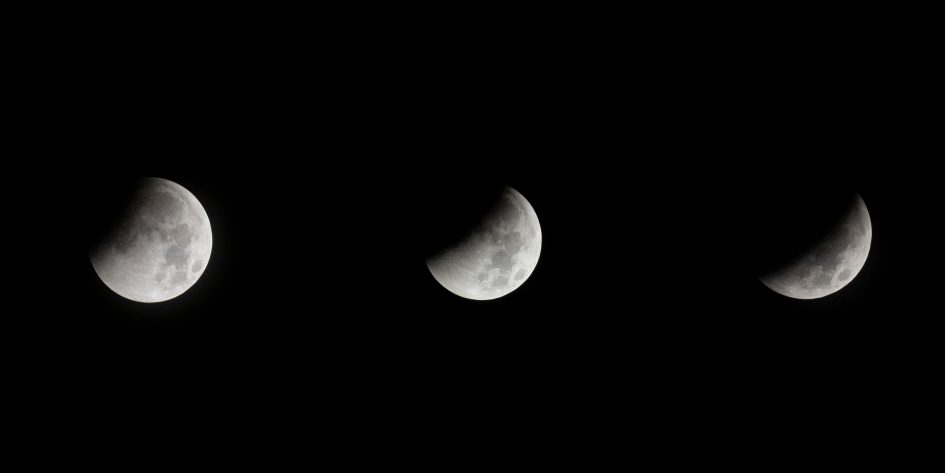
830	265
161	247
497	256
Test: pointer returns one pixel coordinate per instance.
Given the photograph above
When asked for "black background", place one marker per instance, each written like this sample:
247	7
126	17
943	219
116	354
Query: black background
656	162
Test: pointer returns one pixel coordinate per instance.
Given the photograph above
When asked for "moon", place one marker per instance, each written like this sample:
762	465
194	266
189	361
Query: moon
161	246
830	265
497	256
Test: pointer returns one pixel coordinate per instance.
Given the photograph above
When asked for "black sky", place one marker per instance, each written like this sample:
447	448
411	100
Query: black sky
655	169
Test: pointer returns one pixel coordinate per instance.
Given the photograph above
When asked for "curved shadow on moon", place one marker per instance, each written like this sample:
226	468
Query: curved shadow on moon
456	212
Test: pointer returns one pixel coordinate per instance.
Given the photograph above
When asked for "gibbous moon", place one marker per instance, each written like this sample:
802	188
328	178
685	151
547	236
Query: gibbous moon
497	256
830	265
161	246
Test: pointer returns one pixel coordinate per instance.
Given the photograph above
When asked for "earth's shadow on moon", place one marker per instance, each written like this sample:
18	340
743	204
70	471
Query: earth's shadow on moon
108	205
453	213
787	227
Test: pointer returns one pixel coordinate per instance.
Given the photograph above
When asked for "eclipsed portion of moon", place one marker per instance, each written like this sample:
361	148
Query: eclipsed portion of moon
832	264
161	246
497	256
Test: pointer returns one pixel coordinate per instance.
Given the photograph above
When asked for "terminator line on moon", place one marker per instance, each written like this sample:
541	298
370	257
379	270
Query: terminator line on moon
161	247
496	257
830	265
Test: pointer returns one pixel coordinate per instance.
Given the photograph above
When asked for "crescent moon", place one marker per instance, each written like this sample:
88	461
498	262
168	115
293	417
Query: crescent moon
830	265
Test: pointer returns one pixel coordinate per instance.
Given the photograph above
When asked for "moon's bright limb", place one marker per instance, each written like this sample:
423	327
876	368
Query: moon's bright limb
832	264
495	258
161	247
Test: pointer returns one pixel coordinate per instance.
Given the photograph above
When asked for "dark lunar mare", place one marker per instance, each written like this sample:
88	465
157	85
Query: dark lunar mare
507	211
